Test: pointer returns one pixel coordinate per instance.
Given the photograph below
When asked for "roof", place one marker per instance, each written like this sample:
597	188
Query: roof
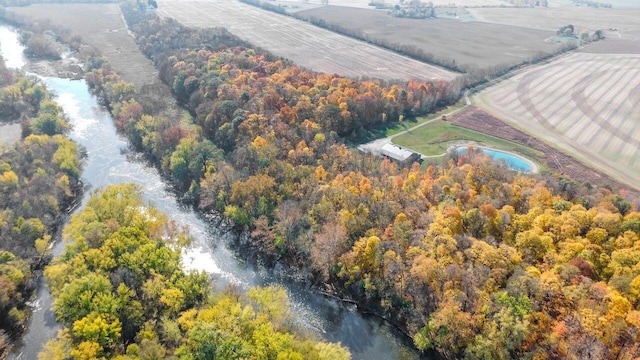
396	152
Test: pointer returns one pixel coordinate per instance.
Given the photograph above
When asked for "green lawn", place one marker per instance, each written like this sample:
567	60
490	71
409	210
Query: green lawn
408	124
393	128
435	138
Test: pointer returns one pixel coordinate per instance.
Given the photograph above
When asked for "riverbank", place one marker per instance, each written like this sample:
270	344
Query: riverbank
40	186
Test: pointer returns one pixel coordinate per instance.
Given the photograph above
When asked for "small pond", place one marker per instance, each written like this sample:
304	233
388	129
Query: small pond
514	162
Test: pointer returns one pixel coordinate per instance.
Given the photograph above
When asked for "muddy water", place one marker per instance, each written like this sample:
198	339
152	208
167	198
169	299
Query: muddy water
109	162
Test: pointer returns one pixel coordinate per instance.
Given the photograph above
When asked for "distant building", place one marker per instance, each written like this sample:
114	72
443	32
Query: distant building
400	155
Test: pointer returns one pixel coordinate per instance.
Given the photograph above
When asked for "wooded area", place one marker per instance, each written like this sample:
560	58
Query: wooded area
472	259
468	257
120	291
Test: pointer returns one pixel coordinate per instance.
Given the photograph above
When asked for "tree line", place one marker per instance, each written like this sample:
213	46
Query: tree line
471	76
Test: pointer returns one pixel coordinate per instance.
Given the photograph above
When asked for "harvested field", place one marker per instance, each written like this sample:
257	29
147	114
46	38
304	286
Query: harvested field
614	46
470	44
102	26
307	45
552	18
584	103
364	4
476	119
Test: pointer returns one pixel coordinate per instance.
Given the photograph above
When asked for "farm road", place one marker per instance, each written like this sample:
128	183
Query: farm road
307	45
375	146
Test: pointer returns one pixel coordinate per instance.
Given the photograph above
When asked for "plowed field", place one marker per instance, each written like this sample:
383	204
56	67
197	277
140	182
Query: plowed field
307	45
473	45
585	104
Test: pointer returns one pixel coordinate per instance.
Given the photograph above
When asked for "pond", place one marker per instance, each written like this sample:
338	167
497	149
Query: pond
514	162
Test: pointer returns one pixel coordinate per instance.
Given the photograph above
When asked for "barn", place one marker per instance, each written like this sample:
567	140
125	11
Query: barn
400	155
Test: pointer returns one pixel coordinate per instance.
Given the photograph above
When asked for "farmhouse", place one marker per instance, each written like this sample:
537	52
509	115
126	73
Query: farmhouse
400	155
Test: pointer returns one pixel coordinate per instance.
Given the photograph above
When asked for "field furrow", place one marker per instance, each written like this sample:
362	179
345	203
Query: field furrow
604	101
584	103
615	103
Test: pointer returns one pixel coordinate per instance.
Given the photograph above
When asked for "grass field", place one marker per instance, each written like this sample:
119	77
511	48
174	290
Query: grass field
470	44
306	45
437	137
586	104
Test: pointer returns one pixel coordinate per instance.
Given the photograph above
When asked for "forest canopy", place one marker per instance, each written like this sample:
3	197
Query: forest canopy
471	258
121	292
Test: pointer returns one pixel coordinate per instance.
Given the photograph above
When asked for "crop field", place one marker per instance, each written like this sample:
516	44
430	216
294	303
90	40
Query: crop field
476	119
364	4
585	104
102	26
624	21
306	45
470	44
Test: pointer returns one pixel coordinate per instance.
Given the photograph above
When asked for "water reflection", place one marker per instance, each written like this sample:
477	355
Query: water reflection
12	50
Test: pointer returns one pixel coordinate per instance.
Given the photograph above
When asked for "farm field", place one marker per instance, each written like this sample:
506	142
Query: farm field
306	45
476	119
614	45
364	4
625	21
470	44
102	26
585	104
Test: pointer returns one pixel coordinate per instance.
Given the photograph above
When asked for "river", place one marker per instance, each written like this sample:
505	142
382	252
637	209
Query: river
110	162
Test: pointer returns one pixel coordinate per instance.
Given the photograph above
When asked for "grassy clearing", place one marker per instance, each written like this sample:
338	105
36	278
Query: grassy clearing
409	123
434	139
395	128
